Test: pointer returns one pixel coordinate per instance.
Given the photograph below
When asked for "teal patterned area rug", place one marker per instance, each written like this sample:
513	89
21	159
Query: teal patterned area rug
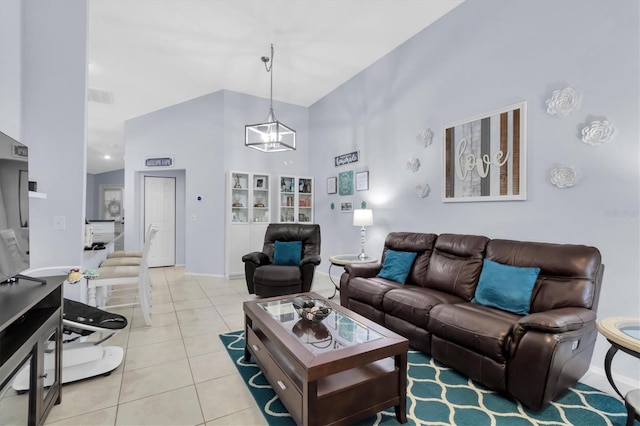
437	395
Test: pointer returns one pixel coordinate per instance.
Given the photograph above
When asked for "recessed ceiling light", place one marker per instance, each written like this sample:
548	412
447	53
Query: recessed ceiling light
107	157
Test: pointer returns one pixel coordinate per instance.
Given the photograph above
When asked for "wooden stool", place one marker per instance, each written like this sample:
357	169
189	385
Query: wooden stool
632	402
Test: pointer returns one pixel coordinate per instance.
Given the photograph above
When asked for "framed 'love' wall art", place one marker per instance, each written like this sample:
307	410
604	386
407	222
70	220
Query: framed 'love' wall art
485	157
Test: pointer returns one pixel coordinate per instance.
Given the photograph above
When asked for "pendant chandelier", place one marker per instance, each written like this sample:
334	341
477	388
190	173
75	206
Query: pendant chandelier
270	135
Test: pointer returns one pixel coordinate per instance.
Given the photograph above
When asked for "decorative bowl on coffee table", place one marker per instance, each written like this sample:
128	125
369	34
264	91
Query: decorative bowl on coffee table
309	309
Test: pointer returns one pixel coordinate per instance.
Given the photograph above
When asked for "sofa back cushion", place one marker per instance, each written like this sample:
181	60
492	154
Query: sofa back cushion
456	263
422	244
569	274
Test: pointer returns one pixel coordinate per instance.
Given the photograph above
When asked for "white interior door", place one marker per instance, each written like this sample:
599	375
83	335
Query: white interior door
160	210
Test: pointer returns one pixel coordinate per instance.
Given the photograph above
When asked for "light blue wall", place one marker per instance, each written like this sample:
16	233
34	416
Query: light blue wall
11	67
190	133
206	138
91	202
240	110
43	61
482	56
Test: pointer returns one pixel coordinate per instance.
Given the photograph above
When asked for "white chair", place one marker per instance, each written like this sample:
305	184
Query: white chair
131	254
126	257
100	288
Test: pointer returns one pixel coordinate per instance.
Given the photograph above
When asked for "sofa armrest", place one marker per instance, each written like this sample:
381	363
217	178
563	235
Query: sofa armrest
557	320
311	260
549	351
256	257
363	270
569	321
355	270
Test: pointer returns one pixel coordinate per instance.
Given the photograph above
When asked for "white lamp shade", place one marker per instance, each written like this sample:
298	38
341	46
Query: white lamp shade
362	217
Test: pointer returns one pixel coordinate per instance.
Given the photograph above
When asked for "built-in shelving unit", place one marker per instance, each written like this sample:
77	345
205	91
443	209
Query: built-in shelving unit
295	199
33	194
248	213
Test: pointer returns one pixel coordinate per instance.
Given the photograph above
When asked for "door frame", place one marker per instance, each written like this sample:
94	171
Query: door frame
145	225
138	227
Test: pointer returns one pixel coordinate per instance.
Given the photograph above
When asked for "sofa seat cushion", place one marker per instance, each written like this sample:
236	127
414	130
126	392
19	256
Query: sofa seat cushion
413	303
277	276
482	329
371	290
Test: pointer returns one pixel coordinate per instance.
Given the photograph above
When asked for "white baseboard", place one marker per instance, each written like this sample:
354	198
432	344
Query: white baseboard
196	274
597	378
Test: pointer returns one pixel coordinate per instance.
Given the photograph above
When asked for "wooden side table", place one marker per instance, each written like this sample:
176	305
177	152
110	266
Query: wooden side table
346	259
623	333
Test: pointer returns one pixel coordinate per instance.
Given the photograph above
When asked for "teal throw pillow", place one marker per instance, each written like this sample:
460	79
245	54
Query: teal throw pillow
396	265
287	253
506	287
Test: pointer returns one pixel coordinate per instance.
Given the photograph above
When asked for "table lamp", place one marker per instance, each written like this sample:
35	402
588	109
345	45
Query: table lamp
362	218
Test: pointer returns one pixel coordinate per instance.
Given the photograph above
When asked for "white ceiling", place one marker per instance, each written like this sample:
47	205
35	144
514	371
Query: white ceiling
150	54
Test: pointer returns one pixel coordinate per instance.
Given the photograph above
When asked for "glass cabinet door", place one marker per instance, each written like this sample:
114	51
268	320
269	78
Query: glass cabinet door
305	200
287	199
14	405
295	199
240	197
49	373
260	197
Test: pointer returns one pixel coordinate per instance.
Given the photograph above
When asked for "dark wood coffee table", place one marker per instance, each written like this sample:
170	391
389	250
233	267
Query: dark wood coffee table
338	371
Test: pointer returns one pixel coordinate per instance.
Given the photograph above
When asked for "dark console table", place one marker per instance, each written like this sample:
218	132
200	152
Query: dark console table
30	325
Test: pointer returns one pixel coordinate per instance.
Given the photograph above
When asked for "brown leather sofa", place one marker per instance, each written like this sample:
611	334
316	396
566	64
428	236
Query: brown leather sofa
533	358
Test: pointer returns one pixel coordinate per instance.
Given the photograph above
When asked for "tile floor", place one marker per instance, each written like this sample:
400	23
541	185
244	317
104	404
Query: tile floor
175	372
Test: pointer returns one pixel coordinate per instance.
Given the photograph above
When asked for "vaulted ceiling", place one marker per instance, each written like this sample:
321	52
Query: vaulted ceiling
145	55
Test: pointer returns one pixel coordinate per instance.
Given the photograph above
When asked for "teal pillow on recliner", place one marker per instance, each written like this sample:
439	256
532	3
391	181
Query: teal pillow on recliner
396	265
506	287
287	253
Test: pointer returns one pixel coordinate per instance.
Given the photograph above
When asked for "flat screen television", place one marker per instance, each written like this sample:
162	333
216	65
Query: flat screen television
14	209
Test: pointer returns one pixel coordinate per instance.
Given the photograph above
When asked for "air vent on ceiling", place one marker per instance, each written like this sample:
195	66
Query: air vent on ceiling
100	96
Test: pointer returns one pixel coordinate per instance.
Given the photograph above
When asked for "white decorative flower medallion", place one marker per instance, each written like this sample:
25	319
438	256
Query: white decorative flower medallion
413	164
564	176
425	138
422	189
562	102
597	132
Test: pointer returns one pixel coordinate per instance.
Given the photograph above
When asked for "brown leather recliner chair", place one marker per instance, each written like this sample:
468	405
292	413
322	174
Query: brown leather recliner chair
266	279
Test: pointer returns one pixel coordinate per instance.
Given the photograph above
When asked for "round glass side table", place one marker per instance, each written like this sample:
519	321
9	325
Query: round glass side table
346	259
623	333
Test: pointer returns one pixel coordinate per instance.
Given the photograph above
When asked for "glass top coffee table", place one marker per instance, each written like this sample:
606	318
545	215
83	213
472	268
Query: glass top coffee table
337	371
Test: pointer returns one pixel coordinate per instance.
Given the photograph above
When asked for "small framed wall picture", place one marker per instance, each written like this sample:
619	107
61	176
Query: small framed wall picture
332	185
260	183
362	181
346	207
345	183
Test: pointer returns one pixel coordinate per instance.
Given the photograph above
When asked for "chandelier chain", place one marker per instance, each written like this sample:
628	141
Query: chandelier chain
269	68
